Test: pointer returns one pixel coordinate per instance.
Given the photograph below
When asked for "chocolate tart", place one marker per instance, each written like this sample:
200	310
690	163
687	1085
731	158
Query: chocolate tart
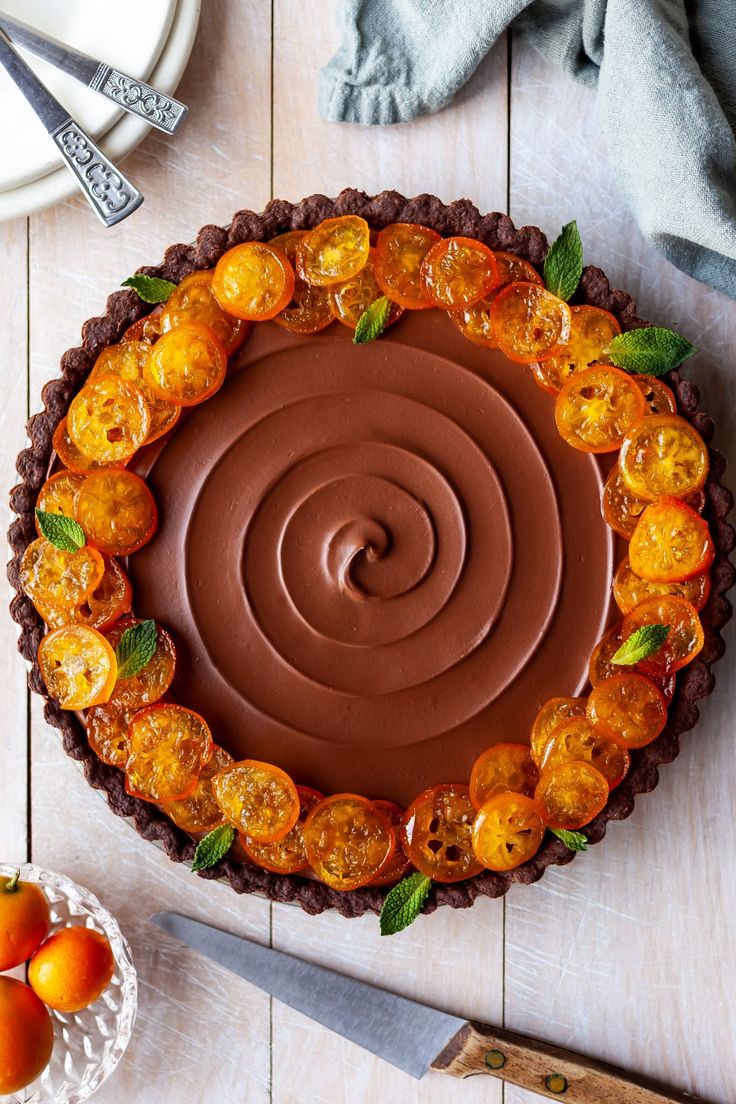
376	560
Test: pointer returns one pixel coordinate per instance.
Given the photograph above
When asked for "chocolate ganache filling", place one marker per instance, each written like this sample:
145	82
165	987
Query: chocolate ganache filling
377	560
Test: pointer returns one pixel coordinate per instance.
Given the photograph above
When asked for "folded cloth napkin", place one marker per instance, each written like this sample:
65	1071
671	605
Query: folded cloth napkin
666	77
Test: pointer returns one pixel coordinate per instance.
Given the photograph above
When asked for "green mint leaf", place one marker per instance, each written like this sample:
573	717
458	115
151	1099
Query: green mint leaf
642	643
404	903
61	531
650	351
563	265
213	847
576	841
372	321
151	289
136	648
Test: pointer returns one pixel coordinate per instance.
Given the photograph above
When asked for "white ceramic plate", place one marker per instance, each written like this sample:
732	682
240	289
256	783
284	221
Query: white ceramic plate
152	42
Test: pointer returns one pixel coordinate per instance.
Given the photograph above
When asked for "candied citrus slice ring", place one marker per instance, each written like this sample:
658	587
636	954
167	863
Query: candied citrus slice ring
529	322
109	419
548	718
500	769
591	330
628	707
152	682
348	841
438	833
287	855
571	794
682	643
200	812
57	494
117	511
101	608
193	301
169	747
621	509
629	588
458	271
397	865
508	831
186	365
474	322
578	739
671	543
259	799
78	666
351	297
663	455
596	407
128	360
72	457
513	269
308	311
55	579
334	251
147	328
658	397
400	250
107	732
253	281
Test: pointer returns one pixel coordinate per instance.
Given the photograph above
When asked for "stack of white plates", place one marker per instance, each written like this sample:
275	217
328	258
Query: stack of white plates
151	41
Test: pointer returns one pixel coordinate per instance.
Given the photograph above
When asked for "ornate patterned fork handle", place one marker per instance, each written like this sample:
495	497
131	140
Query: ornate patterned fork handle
110	194
139	98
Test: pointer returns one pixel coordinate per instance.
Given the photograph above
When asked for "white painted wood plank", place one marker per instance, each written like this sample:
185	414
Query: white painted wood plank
14	714
628	953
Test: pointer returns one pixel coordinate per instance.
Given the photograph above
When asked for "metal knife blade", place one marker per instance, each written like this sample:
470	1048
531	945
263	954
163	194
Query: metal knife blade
128	92
401	1031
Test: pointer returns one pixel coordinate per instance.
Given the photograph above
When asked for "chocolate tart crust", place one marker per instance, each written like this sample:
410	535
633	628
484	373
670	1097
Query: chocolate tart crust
123	308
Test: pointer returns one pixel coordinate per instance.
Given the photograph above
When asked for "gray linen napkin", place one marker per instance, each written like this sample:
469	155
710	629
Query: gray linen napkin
666	77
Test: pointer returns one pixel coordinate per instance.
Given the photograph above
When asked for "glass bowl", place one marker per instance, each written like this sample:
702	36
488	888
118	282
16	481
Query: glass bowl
89	1044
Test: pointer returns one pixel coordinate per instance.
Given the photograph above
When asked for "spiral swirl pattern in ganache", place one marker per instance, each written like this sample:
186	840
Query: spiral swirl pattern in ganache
377	560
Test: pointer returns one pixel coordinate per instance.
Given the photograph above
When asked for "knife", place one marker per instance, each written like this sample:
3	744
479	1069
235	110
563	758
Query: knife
110	194
128	92
413	1036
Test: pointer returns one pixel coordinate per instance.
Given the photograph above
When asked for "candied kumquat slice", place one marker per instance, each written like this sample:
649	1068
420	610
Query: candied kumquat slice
193	301
580	740
110	600
72	457
600	666
438	833
107	732
397	864
458	271
258	798
308	311
400	250
682	643
147	328
550	716
117	511
78	666
621	509
253	281
502	768
200	812
152	682
348	841
529	322
186	365
350	298
169	747
55	579
671	543
508	831
591	329
663	455
474	322
128	360
571	794
658	396
513	270
57	494
287	855
628	707
334	251
109	419
596	407
629	589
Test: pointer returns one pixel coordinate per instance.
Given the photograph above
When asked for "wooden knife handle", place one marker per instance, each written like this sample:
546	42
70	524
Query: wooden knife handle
545	1069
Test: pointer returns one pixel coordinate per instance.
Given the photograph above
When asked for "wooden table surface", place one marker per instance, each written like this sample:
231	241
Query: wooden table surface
628	953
